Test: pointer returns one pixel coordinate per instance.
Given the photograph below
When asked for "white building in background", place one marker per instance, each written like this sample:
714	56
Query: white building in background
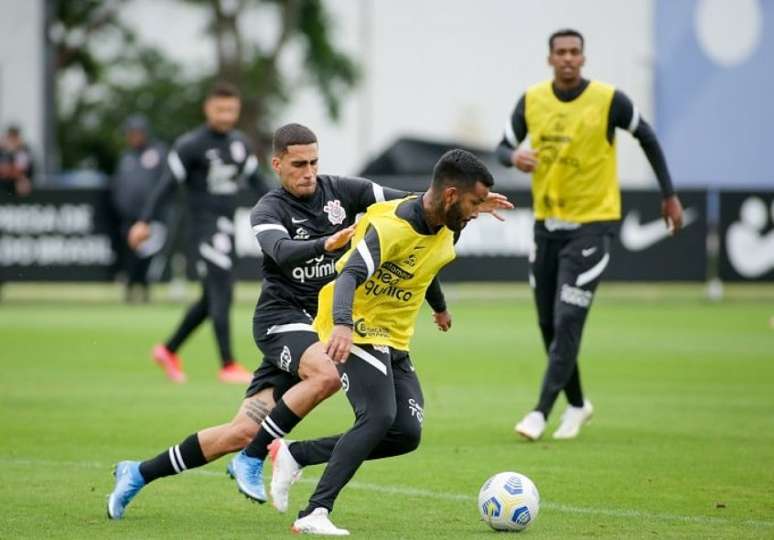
448	70
22	70
439	69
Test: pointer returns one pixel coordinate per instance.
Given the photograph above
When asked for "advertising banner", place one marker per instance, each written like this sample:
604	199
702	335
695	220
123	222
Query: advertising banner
746	236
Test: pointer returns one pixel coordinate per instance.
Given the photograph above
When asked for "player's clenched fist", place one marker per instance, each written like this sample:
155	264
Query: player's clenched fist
525	160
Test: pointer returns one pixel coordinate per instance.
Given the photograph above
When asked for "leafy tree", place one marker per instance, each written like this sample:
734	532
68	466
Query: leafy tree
128	77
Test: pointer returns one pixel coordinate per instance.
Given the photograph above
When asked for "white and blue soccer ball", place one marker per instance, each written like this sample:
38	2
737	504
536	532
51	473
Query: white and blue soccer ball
508	501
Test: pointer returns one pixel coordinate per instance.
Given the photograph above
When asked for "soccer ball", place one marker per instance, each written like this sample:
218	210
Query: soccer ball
508	501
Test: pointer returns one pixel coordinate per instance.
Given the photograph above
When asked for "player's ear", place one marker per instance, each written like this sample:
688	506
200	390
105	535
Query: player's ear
450	194
275	164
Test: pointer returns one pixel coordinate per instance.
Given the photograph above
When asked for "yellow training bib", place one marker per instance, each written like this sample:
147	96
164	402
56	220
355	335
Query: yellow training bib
577	177
385	307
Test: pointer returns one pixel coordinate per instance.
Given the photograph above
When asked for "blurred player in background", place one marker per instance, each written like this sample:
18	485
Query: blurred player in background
577	204
139	169
16	164
211	162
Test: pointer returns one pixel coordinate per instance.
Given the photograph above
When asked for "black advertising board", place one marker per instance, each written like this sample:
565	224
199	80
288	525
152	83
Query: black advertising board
68	235
746	236
57	235
644	250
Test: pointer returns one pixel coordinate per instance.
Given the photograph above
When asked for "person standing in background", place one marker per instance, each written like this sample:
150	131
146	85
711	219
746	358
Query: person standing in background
572	123
139	170
16	165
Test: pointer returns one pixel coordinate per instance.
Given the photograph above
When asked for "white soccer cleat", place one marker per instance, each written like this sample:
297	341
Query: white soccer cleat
318	522
284	472
531	426
573	419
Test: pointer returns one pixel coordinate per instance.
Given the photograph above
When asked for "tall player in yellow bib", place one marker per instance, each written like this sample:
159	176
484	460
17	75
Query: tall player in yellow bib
367	317
577	203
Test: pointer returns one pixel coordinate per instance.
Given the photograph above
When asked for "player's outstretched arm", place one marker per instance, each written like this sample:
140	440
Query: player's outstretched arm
359	267
495	202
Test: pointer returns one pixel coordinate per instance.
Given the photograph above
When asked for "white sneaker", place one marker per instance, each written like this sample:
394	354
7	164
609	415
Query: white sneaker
318	523
532	425
573	419
284	472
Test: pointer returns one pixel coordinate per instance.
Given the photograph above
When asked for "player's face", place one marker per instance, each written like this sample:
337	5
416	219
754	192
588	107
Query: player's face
297	169
135	138
222	112
567	58
460	206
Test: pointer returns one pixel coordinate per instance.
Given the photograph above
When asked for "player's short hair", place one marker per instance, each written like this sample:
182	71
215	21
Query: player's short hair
564	32
460	168
223	89
291	134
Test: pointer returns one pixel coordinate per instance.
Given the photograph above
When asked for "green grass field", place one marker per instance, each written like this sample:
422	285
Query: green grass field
681	446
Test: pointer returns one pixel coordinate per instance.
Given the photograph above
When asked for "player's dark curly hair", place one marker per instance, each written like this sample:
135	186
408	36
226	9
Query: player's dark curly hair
460	168
564	32
291	134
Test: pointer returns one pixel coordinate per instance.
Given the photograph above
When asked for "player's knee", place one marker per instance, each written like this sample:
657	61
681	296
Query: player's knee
326	380
411	436
380	421
241	433
331	383
569	320
220	320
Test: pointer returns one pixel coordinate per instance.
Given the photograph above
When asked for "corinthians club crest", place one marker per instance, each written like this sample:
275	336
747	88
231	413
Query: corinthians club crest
336	212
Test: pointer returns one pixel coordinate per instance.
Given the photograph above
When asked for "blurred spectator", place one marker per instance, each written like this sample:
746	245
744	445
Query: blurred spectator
137	174
16	166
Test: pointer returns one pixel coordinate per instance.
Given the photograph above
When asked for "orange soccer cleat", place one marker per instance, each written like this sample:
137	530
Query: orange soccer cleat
235	373
170	363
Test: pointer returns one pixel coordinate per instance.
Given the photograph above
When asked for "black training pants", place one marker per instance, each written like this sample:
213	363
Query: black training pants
385	395
565	273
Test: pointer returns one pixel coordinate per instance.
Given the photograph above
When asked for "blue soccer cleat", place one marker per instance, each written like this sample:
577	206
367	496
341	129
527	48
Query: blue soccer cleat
248	473
129	482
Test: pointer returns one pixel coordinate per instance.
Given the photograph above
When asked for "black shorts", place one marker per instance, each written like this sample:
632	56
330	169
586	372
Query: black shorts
282	346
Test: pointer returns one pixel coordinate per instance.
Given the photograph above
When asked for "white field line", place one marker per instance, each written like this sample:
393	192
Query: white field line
427	494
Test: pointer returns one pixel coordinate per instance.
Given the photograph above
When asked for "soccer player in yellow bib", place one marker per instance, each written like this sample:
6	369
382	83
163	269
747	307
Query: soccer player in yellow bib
366	319
571	122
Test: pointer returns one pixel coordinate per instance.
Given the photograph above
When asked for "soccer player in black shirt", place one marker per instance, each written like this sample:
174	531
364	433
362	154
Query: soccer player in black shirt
319	211
210	161
577	203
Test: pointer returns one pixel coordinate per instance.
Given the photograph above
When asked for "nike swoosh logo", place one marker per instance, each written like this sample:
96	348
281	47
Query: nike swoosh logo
636	236
588	252
294	220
